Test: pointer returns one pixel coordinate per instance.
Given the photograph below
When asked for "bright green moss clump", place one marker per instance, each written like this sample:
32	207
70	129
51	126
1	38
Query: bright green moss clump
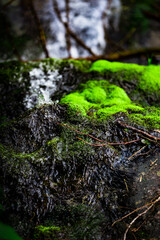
149	80
42	232
99	98
103	65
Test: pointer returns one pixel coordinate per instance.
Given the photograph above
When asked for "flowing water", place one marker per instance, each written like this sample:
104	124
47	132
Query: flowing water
87	19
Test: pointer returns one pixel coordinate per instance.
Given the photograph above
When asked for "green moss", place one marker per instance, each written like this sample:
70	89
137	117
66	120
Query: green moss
149	117
100	97
80	65
101	100
150	81
7	151
149	78
42	232
103	65
21	160
53	142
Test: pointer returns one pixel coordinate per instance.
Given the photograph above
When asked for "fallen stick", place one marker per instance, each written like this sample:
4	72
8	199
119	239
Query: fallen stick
98	145
131	223
137	209
39	28
122	54
69	31
138	130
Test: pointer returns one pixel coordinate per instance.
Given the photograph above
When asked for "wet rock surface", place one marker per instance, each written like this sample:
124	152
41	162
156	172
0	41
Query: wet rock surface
50	177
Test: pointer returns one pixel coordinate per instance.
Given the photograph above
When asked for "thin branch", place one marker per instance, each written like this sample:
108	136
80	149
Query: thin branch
39	28
81	42
131	223
146	153
138	130
137	209
65	125
68	40
111	144
123	54
138	216
137	152
98	145
65	24
72	34
7	4
57	11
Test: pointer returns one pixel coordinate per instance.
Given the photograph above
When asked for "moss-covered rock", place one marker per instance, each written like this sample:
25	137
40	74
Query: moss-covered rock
69	169
100	99
145	78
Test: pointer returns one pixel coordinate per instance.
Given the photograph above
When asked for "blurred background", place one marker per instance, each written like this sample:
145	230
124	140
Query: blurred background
118	30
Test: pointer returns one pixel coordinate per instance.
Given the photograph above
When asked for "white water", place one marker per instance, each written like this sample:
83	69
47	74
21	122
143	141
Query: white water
87	19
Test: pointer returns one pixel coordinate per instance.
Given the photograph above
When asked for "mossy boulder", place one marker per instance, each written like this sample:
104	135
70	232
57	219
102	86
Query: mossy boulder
73	165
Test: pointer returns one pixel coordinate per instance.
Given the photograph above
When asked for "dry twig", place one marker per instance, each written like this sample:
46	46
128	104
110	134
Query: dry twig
123	54
98	145
131	223
68	40
137	152
137	209
69	31
138	130
139	215
150	204
39	28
